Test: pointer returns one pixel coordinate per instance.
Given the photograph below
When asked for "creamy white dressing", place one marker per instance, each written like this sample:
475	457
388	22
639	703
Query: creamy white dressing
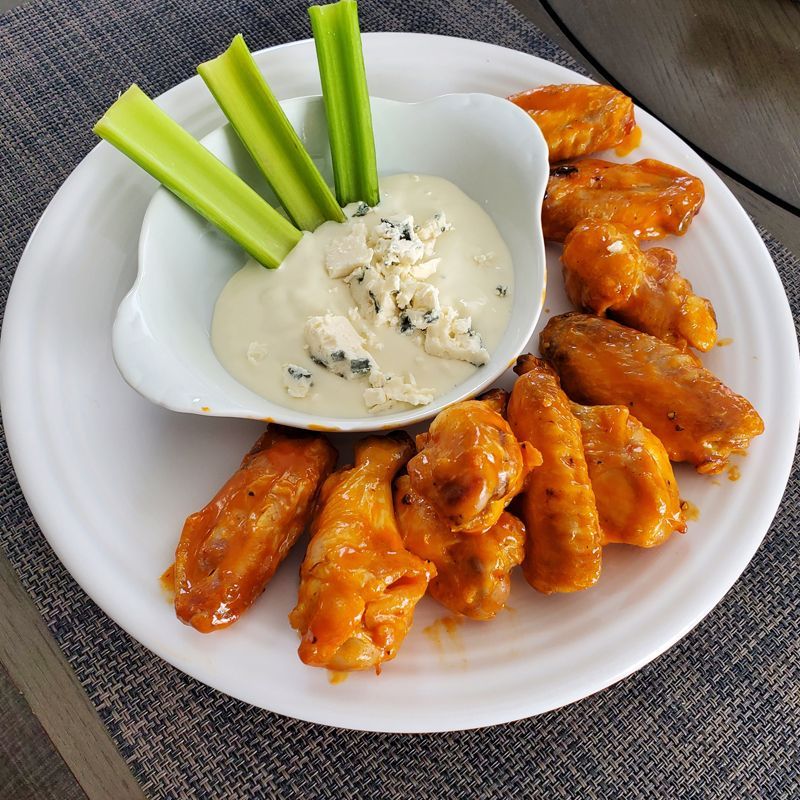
259	318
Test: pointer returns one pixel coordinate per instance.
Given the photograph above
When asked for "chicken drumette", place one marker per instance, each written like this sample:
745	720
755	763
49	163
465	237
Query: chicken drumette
563	552
228	551
631	475
697	417
359	585
649	198
473	569
470	465
606	272
578	119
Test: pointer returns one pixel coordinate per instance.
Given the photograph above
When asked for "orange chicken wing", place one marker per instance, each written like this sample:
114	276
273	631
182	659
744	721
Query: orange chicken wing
649	198
563	552
697	417
470	465
577	118
473	570
606	272
358	583
634	485
230	549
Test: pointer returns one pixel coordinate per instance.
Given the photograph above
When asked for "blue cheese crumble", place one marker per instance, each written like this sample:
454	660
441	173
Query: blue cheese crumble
386	390
257	352
334	344
452	336
348	252
297	380
386	268
374	294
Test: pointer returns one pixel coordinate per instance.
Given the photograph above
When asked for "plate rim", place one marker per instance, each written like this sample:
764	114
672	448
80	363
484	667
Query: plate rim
26	470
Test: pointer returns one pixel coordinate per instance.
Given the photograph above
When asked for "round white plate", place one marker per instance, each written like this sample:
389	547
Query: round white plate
110	478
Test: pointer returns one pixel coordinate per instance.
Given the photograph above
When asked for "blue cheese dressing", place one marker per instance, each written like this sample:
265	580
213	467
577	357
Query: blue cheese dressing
388	310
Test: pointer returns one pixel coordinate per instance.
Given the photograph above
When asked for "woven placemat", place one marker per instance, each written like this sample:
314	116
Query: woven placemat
715	717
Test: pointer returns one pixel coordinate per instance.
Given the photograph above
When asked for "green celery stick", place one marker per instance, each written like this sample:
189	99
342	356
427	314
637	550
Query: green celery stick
142	131
344	89
257	117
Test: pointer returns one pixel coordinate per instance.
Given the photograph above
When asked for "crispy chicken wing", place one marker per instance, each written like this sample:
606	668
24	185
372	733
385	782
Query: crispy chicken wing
697	417
606	272
473	570
577	118
634	485
358	583
470	465
496	399
229	550
649	198
563	550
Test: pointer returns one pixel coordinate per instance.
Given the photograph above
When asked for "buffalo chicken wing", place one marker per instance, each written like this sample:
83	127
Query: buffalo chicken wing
358	583
563	552
473	570
230	549
634	485
578	119
649	198
697	417
606	272
470	465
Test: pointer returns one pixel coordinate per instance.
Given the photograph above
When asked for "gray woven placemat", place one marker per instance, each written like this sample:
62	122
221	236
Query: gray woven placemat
715	717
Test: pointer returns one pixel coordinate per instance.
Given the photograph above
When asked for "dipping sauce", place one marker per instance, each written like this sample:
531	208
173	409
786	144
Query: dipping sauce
388	310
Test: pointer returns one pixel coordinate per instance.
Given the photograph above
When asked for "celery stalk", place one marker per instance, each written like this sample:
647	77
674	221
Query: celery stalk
344	89
135	125
257	117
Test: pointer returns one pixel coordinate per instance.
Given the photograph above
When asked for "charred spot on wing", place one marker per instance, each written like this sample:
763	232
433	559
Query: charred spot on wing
562	171
453	491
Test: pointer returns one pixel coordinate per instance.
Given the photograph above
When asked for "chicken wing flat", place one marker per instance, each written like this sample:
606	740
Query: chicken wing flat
230	549
649	198
697	417
473	570
606	272
470	465
634	485
577	118
563	551
358	583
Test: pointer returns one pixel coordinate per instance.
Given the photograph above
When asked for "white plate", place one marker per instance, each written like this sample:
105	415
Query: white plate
110	477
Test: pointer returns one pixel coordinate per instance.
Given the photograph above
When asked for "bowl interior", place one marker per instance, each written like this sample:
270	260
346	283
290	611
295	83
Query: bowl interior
483	144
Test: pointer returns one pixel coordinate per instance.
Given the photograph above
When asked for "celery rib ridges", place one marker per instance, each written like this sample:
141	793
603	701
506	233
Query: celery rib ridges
344	88
263	128
135	125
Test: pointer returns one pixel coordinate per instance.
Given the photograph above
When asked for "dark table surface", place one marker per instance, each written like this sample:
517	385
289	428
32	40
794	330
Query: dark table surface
725	74
722	73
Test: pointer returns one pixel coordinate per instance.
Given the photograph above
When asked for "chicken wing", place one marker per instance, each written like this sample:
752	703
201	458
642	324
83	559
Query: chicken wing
470	466
230	550
697	417
358	583
632	478
578	118
606	272
649	198
473	570
563	551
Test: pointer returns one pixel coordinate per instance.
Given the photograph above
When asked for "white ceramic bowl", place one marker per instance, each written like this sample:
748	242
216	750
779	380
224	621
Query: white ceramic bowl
485	145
